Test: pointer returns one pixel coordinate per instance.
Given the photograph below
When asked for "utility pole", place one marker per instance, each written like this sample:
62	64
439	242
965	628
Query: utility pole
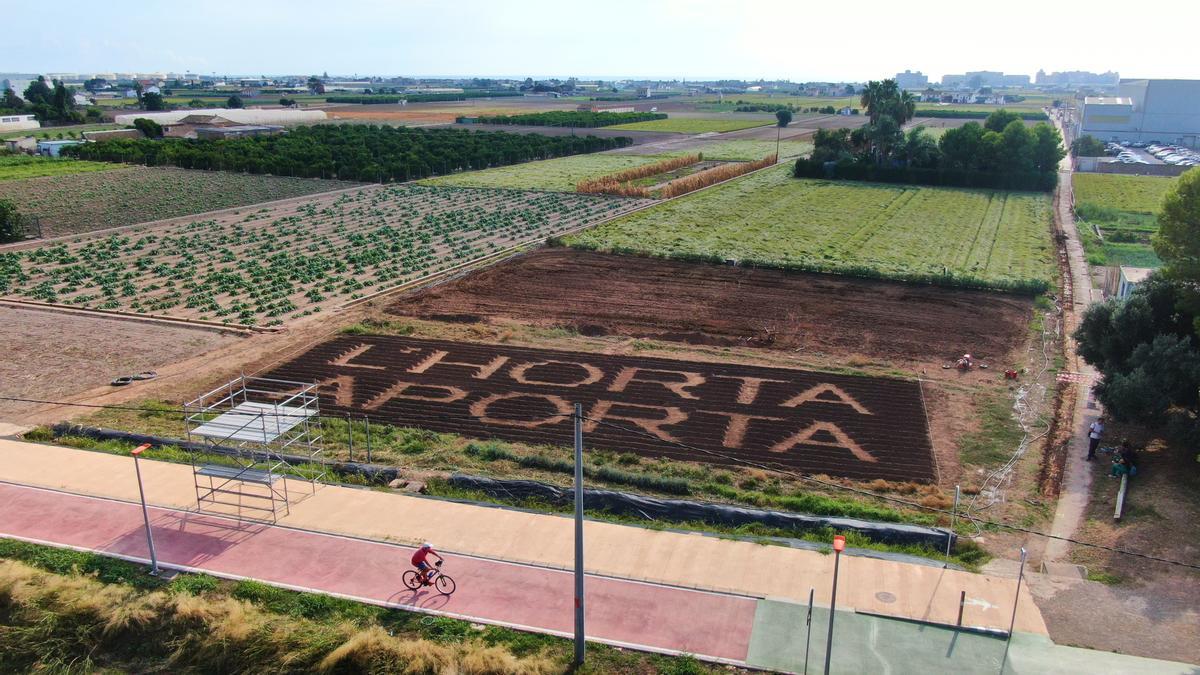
145	512
839	545
580	644
1013	622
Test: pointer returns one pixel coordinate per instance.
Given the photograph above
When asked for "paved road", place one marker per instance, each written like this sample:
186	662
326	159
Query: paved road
618	611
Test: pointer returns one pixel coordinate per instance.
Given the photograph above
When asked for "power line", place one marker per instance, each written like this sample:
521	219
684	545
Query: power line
726	458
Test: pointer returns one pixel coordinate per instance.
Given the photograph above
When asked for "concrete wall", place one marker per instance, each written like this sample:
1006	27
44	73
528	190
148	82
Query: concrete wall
1094	165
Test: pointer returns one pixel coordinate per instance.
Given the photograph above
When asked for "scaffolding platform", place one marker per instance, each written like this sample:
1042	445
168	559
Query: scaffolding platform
260	427
261	423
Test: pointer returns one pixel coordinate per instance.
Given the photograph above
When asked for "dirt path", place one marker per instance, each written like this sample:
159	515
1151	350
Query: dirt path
1077	478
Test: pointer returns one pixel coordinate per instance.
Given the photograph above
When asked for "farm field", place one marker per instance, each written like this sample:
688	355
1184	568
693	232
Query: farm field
1134	194
561	174
851	426
1124	209
53	355
596	294
83	202
260	266
687	125
16	167
747	150
965	237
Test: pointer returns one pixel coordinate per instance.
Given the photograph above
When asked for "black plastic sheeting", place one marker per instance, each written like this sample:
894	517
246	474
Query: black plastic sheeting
679	510
618	503
373	472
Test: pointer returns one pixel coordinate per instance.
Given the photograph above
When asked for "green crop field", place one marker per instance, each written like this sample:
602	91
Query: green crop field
746	150
958	237
97	200
16	167
1135	194
551	174
688	125
259	265
1123	208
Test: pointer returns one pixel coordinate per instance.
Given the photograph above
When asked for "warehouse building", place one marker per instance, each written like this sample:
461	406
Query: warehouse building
277	116
1166	111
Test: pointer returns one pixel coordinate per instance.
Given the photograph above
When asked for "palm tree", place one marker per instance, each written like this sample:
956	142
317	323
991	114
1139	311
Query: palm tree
871	99
908	106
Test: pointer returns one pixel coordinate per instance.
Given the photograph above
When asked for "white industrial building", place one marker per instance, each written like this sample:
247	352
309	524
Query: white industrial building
280	116
18	123
1167	111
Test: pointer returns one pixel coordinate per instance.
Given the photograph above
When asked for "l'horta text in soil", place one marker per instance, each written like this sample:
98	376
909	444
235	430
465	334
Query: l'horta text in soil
840	425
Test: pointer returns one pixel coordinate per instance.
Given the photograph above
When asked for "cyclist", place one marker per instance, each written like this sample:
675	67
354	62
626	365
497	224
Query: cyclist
418	561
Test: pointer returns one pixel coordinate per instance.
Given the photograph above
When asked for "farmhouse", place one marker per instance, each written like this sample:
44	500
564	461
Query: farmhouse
237	131
53	148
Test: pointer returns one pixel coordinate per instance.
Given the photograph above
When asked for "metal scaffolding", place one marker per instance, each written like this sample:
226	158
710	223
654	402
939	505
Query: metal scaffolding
246	437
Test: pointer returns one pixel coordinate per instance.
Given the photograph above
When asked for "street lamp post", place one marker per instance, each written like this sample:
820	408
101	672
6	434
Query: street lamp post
145	512
839	545
1013	622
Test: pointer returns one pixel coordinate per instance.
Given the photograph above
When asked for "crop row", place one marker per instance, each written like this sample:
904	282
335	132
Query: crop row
261	267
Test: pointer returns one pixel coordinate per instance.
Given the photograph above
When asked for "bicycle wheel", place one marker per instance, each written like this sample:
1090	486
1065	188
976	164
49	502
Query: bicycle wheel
411	580
444	584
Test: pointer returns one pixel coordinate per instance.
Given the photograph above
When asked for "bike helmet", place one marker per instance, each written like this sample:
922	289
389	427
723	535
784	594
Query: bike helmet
427	545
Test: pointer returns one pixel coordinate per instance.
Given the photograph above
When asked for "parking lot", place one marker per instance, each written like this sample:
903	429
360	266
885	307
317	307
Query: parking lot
1151	153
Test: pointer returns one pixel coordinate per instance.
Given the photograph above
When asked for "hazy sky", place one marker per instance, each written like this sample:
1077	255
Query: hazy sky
797	39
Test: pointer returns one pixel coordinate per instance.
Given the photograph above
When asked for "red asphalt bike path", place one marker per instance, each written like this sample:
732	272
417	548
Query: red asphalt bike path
621	612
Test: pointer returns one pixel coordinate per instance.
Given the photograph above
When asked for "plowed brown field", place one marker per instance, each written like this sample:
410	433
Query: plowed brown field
857	427
597	294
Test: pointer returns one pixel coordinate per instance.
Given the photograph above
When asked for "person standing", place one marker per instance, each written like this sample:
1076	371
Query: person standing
1095	431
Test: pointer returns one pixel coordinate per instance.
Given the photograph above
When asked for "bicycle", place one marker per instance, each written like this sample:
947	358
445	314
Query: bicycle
443	583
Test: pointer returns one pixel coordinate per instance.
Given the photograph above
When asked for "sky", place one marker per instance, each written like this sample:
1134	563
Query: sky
796	40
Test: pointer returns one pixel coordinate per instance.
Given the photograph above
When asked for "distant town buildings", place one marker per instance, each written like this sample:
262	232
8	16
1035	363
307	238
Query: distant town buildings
911	80
1077	77
1167	111
984	78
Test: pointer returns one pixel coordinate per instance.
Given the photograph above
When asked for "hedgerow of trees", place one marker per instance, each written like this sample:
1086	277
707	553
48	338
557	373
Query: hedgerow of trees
348	152
50	102
1000	153
1147	346
571	118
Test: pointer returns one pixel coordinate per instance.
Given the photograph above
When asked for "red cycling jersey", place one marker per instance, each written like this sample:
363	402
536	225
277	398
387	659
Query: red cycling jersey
419	556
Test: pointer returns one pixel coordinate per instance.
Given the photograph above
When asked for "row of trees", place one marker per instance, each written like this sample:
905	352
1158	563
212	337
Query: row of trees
348	152
1002	152
50	101
571	118
1147	346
